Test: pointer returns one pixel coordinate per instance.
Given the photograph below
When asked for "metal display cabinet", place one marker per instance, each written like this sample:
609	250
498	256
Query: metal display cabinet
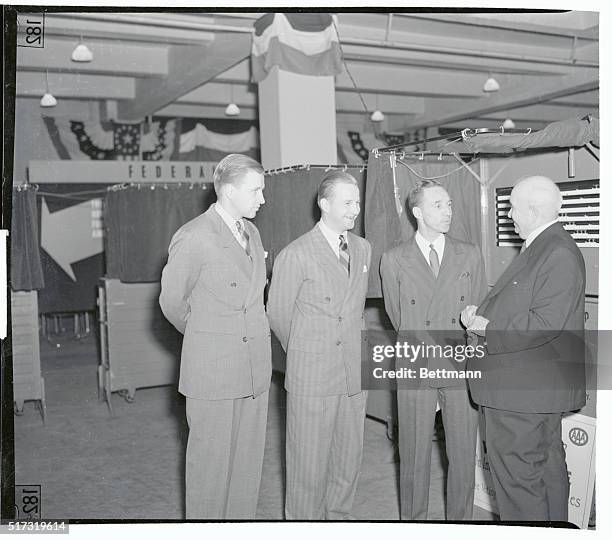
138	347
28	383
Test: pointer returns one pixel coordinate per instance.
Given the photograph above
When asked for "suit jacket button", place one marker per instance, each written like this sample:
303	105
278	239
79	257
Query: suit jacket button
453	321
412	302
244	339
327	299
427	323
339	319
233	284
462	298
338	343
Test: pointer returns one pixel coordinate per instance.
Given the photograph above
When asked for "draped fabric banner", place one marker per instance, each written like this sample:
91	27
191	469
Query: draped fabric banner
111	140
140	222
26	268
201	144
387	220
163	139
291	208
305	43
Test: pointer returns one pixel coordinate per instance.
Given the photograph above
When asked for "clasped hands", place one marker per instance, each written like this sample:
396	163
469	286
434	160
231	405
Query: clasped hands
476	324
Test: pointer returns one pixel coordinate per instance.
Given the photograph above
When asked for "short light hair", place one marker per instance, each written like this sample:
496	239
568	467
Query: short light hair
415	197
232	167
330	180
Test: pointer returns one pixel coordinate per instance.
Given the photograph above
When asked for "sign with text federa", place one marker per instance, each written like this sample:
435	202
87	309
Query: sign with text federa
117	172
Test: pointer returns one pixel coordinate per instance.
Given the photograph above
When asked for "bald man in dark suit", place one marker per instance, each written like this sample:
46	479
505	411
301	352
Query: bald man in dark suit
532	322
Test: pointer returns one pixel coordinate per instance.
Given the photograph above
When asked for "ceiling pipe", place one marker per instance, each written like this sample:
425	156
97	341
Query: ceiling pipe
212	27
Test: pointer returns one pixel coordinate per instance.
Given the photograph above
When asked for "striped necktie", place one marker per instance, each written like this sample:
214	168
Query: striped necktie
243	237
434	261
343	254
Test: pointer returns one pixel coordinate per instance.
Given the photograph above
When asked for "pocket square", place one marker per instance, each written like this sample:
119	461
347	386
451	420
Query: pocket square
365	269
265	254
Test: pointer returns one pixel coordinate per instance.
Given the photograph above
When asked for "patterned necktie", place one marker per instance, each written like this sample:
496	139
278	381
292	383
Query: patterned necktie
244	237
434	262
343	254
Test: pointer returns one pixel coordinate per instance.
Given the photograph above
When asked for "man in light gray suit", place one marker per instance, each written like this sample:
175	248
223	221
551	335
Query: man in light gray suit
212	292
315	306
427	281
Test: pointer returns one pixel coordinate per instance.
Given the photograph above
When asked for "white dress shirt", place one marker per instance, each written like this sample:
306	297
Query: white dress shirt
332	237
230	222
535	233
438	245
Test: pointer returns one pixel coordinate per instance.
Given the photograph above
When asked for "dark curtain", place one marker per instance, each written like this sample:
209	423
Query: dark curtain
291	208
140	221
26	268
385	228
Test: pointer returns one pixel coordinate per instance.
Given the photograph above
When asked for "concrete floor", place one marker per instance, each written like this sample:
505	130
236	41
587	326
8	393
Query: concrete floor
97	467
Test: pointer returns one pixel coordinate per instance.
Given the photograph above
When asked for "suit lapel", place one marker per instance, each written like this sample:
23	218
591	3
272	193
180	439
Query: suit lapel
257	254
230	246
325	256
451	262
356	261
412	257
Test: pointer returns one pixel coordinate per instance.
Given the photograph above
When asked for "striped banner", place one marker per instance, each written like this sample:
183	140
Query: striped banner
305	43
201	144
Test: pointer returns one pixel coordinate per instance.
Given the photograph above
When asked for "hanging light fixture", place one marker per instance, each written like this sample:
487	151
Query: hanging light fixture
377	115
508	124
232	109
490	85
48	100
81	53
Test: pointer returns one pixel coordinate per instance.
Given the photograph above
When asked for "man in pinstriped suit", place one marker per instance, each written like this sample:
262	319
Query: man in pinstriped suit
427	281
212	292
315	307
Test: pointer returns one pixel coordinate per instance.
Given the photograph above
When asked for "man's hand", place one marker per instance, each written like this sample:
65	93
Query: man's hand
479	325
467	315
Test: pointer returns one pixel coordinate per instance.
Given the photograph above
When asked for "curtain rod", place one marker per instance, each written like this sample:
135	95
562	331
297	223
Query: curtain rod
307	167
158	185
464	134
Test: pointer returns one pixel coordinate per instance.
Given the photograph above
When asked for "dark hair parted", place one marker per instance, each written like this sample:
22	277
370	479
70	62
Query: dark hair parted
233	166
330	180
416	193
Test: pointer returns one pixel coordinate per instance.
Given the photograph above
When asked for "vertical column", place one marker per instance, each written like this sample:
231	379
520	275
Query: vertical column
297	119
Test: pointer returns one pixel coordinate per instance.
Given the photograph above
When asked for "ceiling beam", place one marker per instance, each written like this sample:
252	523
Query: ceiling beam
439	113
500	24
188	68
75	85
109	58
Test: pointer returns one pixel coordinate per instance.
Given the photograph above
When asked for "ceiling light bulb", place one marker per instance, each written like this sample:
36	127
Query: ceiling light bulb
490	85
377	116
48	100
508	124
82	53
232	110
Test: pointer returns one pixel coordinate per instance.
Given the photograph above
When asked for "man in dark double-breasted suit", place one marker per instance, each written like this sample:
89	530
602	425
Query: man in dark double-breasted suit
212	292
315	306
532	322
427	281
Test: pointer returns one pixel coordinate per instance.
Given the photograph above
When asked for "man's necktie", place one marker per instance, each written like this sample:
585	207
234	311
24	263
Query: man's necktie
523	247
343	254
244	237
434	262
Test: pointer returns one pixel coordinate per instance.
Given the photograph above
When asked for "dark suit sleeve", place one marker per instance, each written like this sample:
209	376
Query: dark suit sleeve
390	288
179	277
286	282
558	283
479	283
